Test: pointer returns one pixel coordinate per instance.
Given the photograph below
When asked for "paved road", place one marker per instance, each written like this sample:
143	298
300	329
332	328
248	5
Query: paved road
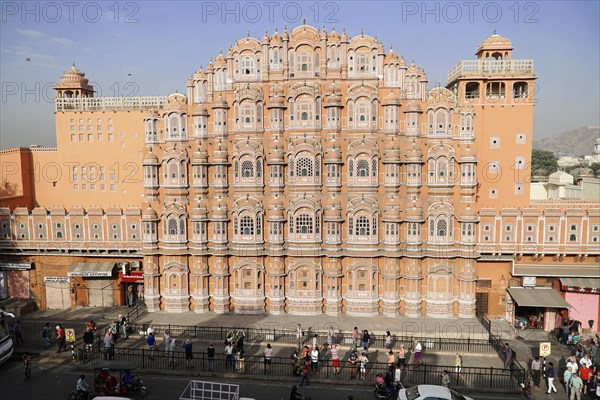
56	382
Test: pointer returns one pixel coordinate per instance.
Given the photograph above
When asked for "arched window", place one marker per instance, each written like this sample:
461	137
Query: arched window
248	65
59	235
304	166
172	226
362	168
304	62
247	225
247	169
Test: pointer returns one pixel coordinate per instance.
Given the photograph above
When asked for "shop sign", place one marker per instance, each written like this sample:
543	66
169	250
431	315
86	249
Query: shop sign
91	274
133	277
54	279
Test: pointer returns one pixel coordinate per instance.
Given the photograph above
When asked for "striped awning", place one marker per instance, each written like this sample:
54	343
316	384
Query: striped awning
92	270
537	297
583	283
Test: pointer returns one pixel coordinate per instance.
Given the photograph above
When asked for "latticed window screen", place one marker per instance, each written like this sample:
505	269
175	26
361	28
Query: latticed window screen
362	168
304	224
247	169
304	166
363	226
247	225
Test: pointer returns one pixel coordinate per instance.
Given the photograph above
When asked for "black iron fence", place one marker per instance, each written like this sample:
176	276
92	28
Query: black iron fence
280	367
217	334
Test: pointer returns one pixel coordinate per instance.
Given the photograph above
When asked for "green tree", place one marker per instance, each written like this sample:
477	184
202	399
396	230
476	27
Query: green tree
595	167
544	160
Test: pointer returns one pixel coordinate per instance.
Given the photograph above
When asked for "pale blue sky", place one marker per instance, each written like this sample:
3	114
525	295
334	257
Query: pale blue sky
161	43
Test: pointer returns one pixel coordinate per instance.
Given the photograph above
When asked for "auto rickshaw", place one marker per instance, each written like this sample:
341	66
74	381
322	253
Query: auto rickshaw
116	378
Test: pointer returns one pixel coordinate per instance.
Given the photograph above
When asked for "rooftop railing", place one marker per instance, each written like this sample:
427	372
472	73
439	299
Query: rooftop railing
109	103
490	67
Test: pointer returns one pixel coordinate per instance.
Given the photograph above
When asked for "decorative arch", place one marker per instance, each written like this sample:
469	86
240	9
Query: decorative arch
441	218
304	219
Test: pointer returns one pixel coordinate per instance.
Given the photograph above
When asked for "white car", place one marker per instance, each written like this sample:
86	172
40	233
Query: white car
430	392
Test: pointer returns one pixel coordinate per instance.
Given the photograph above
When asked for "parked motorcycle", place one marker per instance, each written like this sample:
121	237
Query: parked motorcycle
386	388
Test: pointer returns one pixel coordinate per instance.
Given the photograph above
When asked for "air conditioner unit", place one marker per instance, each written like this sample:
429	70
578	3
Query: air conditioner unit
529	281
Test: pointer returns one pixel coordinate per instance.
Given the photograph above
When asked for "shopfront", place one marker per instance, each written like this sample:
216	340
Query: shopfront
58	292
534	307
584	295
14	280
94	283
132	288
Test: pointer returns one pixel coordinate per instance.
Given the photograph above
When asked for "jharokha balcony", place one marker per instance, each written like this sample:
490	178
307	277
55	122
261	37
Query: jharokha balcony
466	68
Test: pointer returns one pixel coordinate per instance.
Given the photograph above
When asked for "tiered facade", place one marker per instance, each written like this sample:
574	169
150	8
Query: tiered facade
311	172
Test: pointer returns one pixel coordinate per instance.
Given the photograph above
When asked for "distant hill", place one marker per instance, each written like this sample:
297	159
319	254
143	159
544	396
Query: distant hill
576	142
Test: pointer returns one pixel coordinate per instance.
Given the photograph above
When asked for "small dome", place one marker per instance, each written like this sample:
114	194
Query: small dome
333	152
391	152
286	35
276	37
199	212
582	172
150	158
266	39
414	212
221	102
391	57
468	213
210	67
468	152
220	59
334	36
275	209
333	209
334	99
220	154
200	156
495	42
276	151
149	214
219	211
73	75
392	99
200	110
413	152
344	37
413	106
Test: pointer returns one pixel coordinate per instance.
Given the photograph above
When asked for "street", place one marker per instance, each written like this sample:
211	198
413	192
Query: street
56	381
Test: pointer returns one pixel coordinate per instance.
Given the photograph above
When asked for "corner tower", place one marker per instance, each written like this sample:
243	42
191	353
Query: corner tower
500	90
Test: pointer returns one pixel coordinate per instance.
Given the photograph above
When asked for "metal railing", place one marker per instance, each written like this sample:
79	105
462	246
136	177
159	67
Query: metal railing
280	367
219	333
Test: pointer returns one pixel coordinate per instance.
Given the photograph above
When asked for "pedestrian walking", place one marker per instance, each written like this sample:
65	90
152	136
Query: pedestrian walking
268	353
189	355
305	373
151	342
167	342
299	336
445	379
536	371
27	366
229	356
567	379
363	361
402	357
416	350
314	360
508	356
210	355
335	358
88	339
576	387
239	342
172	350
109	344
353	360
61	340
584	374
46	336
585	360
356	337
593	350
241	358
17	332
391	361
388	340
457	363
365	340
550	377
331	336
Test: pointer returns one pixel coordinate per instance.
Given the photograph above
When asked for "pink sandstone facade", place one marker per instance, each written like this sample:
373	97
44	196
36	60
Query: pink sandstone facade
304	173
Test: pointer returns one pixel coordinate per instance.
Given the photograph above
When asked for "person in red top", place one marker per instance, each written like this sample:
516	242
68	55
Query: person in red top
584	374
61	339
